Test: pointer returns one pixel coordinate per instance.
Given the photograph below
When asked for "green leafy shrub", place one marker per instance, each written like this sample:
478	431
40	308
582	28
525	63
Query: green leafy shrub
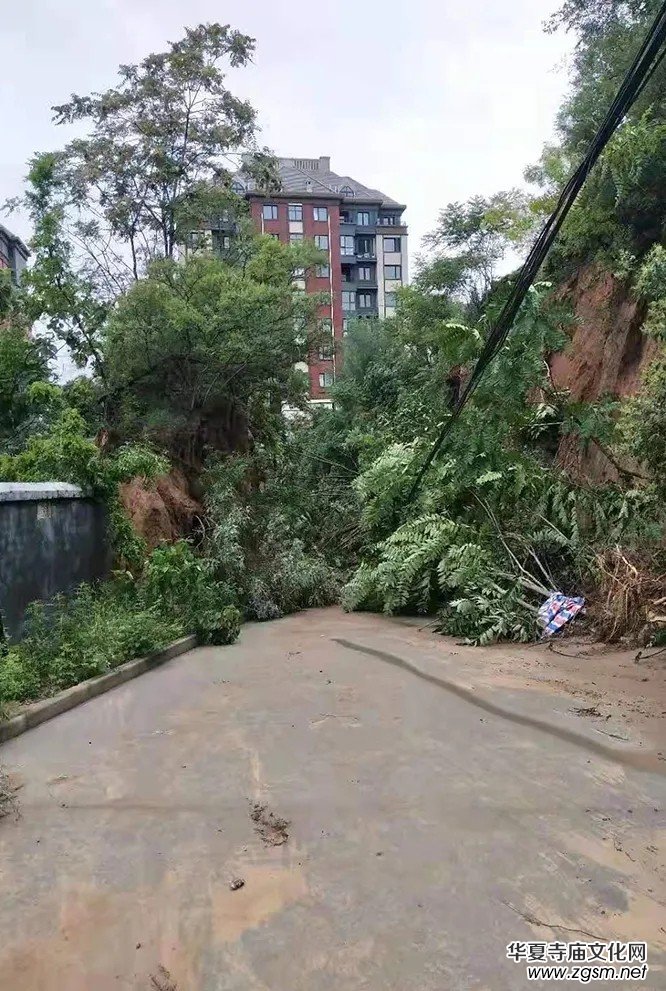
74	638
99	627
177	582
643	424
19	678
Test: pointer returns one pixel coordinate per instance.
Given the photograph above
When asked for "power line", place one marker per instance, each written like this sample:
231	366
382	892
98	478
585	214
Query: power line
644	65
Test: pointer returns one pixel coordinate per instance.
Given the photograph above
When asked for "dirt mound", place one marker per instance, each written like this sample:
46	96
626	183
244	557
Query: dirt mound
161	510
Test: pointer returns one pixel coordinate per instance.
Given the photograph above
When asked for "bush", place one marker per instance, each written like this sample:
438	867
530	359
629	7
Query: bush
99	627
71	639
178	582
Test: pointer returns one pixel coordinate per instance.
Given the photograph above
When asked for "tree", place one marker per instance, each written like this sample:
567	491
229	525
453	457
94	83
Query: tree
471	238
23	366
156	164
201	354
620	211
165	130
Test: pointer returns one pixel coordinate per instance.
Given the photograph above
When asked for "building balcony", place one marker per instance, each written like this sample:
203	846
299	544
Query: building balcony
360	286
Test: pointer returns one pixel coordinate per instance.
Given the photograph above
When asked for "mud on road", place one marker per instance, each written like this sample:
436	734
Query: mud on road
397	807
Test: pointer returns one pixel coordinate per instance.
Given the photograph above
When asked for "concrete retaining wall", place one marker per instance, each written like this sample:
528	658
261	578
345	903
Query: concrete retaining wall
52	537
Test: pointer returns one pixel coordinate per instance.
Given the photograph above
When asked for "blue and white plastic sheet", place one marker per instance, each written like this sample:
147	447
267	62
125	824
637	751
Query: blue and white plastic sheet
557	611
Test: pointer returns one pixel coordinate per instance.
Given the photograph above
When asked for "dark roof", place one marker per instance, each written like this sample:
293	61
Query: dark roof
314	177
16	241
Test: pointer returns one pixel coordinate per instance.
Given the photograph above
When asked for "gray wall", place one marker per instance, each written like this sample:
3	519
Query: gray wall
51	539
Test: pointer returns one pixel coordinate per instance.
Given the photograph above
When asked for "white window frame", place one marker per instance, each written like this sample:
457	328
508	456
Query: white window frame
295	211
346	242
320	213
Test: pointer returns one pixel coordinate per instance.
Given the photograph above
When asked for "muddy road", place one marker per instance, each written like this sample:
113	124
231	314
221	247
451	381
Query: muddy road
336	802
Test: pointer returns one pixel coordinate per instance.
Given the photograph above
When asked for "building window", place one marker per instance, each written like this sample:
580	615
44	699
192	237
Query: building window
346	244
366	247
365	273
325	326
299	273
348	300
325	352
325	380
363	218
221	242
388	220
320	213
389	300
345	327
321	241
391	244
347	191
365	300
270	234
322	271
270	211
238	187
393	271
295	238
4	252
295	211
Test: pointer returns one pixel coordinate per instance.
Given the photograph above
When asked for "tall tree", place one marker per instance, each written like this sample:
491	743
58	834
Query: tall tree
471	239
158	160
169	126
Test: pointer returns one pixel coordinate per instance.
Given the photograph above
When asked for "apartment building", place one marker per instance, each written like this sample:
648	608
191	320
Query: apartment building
363	234
13	253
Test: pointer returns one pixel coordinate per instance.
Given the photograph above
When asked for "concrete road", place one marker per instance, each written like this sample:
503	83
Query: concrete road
431	823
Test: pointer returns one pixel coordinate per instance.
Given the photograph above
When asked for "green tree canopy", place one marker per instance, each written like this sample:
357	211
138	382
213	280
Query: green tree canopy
200	355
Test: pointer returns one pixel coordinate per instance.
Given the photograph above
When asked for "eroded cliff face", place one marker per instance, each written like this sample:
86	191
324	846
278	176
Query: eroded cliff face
607	356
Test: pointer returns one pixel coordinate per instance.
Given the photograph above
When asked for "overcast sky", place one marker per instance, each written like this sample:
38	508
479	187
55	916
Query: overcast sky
428	100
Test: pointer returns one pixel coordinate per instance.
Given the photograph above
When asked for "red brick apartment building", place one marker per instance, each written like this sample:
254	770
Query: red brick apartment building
361	230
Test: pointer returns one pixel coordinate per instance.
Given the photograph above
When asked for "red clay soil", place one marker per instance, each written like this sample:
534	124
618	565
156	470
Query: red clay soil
162	510
607	355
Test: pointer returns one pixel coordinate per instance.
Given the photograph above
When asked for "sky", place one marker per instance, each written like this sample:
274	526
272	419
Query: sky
430	101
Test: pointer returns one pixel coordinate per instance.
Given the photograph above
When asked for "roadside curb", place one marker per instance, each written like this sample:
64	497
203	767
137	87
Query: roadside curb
39	712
